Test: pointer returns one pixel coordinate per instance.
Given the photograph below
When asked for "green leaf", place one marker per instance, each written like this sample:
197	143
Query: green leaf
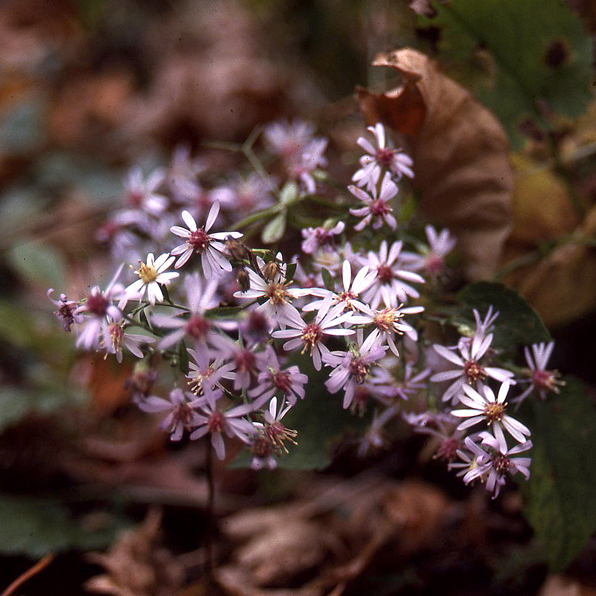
183	357
275	229
538	48
561	492
40	264
36	527
328	279
518	323
291	271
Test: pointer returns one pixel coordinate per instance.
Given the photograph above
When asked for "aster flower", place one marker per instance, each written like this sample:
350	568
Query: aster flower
204	371
273	288
231	422
199	200
210	246
442	427
181	414
432	259
469	369
388	322
374	439
117	337
245	360
382	156
288	140
98	310
352	367
327	321
391	388
542	380
352	289
272	379
141	193
321	238
376	205
200	298
250	194
390	283
311	159
151	275
66	312
490	408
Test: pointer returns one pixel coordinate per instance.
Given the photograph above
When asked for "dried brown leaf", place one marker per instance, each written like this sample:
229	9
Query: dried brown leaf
460	152
136	565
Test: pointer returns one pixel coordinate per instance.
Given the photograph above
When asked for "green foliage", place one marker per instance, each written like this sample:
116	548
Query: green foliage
518	323
275	229
36	527
561	492
39	264
539	53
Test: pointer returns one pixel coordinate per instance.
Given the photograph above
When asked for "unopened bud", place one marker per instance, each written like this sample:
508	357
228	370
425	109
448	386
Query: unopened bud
243	279
271	270
236	249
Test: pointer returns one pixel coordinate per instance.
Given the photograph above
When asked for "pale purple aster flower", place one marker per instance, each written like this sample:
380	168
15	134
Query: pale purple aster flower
352	367
98	310
204	371
390	284
272	436
352	288
441	426
486	325
246	361
500	462
117	337
183	166
374	439
250	194
200	298
311	159
199	200
468	369
474	462
211	247
256	327
151	275
392	388
272	379
288	140
180	408
432	259
490	408
379	157
141	192
327	321
541	379
218	422
275	290
388	323
376	205
66	312
321	238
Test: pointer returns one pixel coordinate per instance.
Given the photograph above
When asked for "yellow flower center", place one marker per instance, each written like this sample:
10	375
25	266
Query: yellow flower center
147	273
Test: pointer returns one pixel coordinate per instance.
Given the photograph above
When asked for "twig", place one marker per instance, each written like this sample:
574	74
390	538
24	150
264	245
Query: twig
39	566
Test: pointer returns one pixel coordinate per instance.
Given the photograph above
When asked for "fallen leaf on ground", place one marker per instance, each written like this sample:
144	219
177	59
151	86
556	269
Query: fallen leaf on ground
136	565
460	153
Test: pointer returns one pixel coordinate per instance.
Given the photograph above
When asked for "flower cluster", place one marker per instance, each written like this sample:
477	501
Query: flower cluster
245	327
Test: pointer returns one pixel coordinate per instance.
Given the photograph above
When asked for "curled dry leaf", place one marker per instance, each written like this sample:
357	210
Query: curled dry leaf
562	286
321	544
136	565
460	153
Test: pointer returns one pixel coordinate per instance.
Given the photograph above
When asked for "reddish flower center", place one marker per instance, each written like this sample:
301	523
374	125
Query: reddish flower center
97	304
262	446
197	327
281	380
434	264
183	414
359	369
116	335
216	422
501	463
135	198
385	156
379	207
199	240
474	371
245	361
385	273
544	379
448	449
311	335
